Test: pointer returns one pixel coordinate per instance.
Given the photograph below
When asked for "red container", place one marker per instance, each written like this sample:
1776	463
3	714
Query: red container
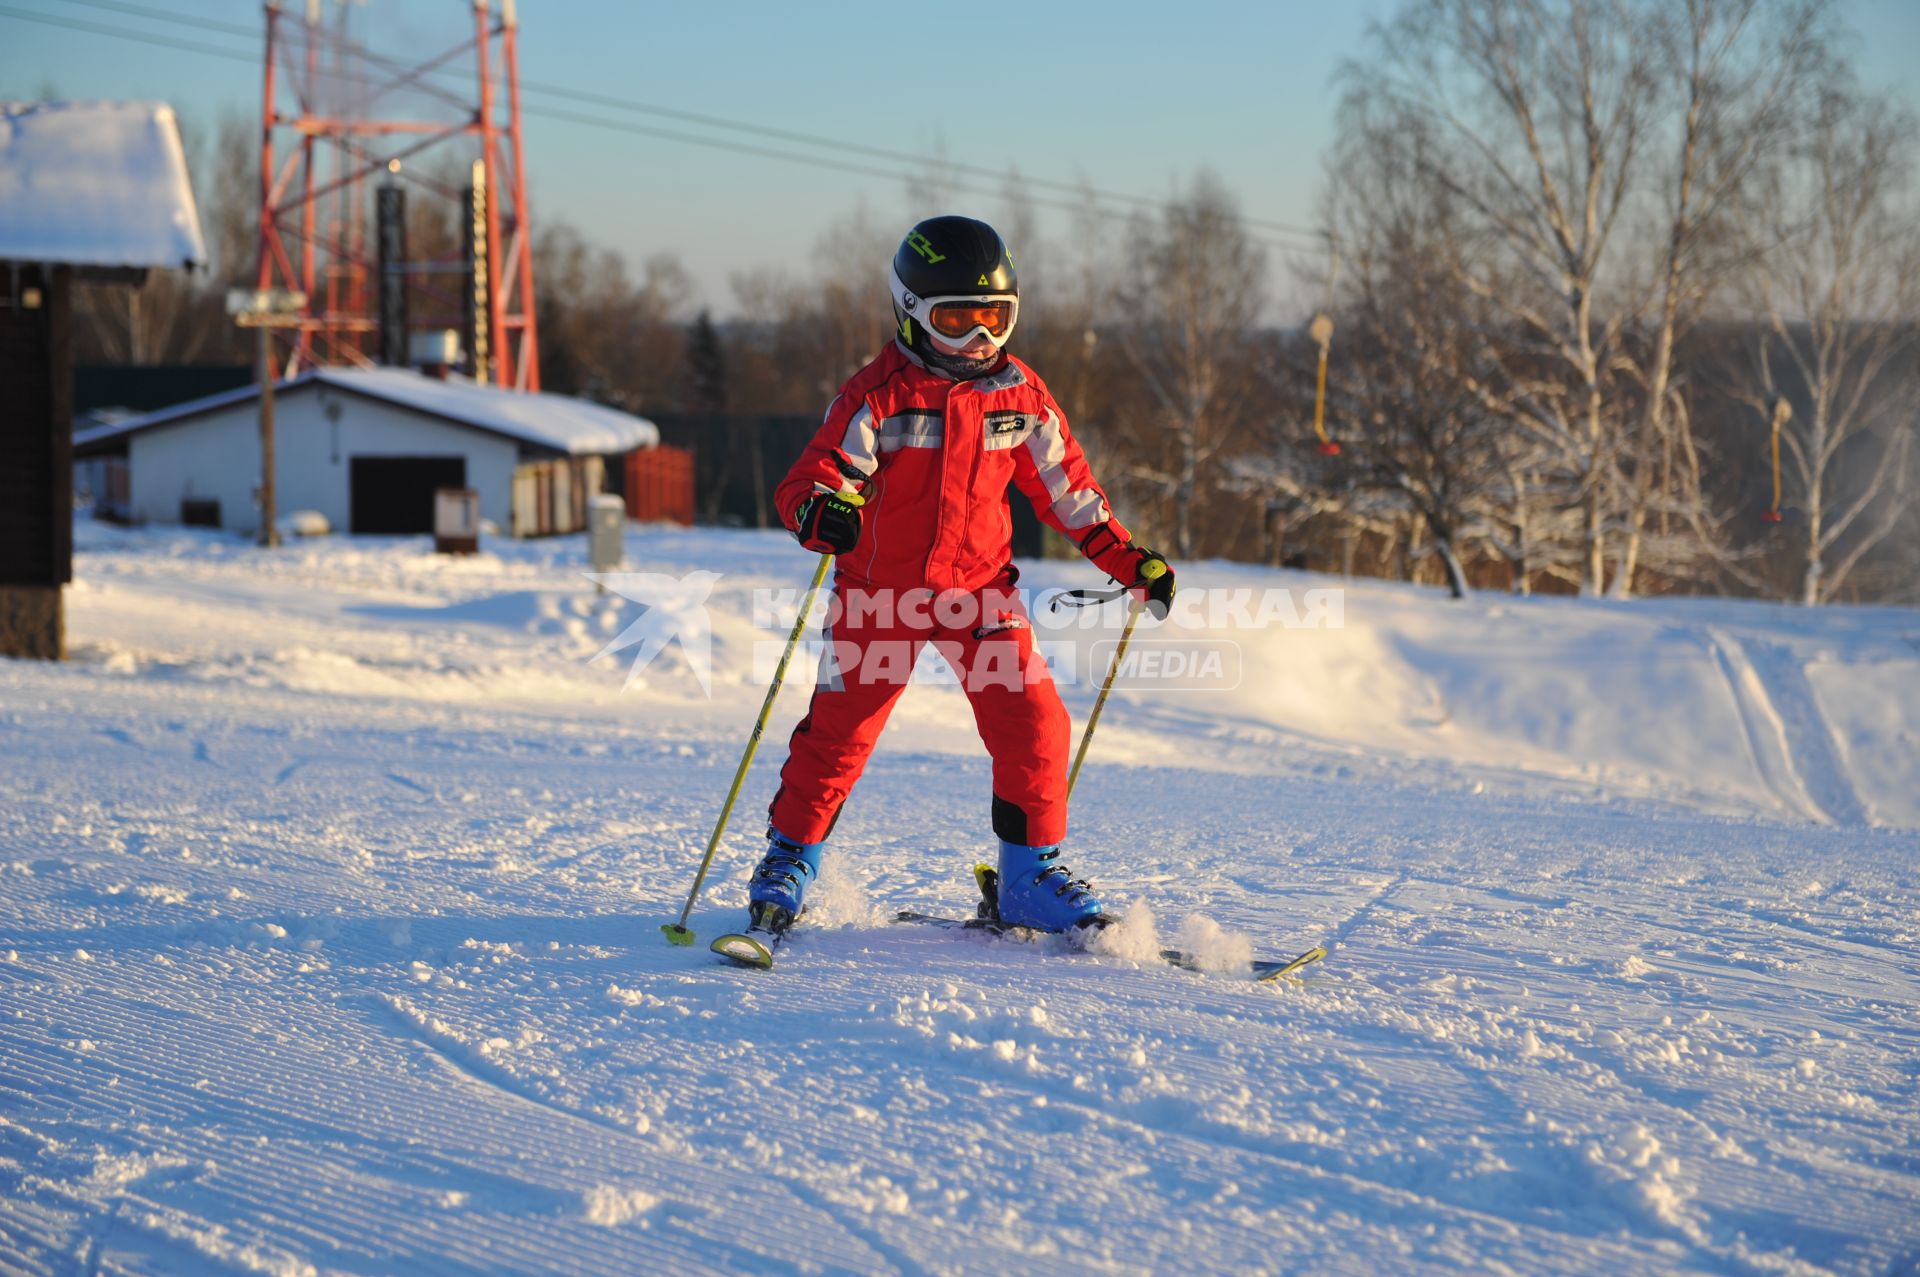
660	485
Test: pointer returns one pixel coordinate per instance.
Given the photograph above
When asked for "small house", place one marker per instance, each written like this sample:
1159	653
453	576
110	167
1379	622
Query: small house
367	448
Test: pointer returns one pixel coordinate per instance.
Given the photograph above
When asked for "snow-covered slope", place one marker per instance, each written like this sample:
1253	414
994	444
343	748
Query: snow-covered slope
330	883
1732	706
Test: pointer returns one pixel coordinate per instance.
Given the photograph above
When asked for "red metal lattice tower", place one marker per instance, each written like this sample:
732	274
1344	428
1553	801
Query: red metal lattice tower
326	105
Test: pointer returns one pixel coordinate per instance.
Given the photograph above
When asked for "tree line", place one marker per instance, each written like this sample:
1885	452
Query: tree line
1598	254
1583	266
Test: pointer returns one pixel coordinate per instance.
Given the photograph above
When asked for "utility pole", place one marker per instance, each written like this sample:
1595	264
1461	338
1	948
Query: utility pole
266	309
269	512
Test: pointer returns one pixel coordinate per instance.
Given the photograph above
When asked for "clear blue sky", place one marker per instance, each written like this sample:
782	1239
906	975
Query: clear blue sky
1131	97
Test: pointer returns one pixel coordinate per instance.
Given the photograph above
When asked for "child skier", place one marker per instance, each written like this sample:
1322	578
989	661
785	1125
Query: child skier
929	436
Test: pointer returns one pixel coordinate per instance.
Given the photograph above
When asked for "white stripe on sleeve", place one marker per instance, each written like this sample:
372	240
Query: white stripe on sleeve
1048	447
861	444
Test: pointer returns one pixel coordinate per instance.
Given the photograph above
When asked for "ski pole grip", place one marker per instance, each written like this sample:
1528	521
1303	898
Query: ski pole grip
1152	570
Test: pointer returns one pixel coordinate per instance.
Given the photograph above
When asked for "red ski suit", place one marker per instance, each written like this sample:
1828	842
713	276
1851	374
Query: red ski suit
934	459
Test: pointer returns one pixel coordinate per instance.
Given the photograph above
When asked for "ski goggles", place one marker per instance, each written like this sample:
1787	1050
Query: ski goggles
960	319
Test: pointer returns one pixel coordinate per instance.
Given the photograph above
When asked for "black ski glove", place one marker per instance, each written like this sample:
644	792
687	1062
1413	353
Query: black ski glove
1155	576
828	522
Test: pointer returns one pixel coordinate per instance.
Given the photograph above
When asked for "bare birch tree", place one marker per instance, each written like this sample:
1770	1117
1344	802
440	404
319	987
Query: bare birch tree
1598	150
1533	117
1415	345
1740	77
1840	292
1194	283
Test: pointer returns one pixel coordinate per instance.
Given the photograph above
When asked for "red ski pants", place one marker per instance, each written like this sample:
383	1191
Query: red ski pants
985	637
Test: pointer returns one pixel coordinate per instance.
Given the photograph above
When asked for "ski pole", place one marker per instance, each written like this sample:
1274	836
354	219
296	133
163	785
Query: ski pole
679	932
1150	571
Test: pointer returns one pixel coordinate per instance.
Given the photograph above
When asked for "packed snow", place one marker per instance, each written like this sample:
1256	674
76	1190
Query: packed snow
331	880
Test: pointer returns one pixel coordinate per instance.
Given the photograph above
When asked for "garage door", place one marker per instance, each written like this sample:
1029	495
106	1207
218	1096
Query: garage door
395	494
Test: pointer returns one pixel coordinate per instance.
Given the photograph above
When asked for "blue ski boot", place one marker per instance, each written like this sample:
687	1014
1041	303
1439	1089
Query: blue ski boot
1035	890
773	900
780	882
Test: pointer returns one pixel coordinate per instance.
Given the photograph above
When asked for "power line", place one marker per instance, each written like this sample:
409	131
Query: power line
168	15
742	126
95	28
1092	195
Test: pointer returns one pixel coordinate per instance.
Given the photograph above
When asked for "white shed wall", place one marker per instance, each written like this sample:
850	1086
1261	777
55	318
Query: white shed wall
218	457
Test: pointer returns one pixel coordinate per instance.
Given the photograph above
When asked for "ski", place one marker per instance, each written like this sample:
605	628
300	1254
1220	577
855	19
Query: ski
756	946
1265	970
767	927
749	948
987	918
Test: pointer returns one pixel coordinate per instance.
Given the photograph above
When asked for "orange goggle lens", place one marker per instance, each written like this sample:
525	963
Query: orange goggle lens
957	319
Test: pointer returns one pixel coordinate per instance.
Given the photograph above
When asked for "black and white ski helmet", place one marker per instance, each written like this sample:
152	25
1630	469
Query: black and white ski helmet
953	280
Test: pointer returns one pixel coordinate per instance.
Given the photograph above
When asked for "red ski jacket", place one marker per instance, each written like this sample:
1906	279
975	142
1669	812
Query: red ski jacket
934	459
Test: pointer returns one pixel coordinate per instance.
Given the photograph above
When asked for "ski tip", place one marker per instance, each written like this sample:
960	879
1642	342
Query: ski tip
745	950
1286	969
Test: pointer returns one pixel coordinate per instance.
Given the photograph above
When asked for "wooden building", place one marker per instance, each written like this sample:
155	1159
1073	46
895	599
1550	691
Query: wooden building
89	190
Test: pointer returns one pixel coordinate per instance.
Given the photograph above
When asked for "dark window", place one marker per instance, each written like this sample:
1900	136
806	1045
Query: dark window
395	494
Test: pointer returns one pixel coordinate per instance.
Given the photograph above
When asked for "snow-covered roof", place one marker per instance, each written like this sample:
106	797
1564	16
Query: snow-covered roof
560	422
557	423
95	184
